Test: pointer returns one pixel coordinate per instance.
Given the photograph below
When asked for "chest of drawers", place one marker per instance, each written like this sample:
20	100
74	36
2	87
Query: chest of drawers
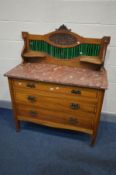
61	82
69	107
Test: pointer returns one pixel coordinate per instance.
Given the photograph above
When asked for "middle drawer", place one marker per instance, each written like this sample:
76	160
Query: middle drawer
71	106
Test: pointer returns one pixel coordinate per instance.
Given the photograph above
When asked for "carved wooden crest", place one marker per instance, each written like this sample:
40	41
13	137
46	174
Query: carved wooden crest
63	28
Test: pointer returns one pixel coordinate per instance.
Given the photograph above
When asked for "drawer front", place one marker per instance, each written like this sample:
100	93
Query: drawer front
29	112
56	88
57	104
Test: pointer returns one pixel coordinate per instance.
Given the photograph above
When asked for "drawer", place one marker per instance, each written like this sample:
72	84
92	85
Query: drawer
32	113
54	103
47	94
71	106
55	88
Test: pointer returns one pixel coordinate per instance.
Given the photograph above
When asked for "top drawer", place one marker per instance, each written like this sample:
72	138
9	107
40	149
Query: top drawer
55	88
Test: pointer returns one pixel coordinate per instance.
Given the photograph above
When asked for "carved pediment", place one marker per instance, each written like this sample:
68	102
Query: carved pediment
63	28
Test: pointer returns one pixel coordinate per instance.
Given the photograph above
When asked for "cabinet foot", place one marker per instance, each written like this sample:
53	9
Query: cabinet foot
17	126
93	140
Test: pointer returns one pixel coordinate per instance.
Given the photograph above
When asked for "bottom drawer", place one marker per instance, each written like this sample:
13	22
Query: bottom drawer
45	115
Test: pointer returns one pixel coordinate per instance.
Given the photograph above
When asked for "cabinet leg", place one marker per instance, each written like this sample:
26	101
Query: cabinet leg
17	125
93	140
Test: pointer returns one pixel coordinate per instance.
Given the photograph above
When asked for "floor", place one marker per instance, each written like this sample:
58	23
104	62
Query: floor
38	150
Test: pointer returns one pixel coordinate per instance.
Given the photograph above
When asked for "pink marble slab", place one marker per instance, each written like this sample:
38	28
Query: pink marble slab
83	77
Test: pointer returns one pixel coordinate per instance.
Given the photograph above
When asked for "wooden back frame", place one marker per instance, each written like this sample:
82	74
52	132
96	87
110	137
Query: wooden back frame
99	62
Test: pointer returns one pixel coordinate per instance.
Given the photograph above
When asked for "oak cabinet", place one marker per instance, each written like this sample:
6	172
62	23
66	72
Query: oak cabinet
61	81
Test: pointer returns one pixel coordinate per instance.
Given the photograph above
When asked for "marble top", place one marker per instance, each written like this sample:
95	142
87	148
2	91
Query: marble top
76	76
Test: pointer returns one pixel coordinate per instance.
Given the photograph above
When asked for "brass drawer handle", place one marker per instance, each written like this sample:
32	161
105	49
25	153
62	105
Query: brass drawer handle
73	120
31	98
74	106
30	84
76	91
33	113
